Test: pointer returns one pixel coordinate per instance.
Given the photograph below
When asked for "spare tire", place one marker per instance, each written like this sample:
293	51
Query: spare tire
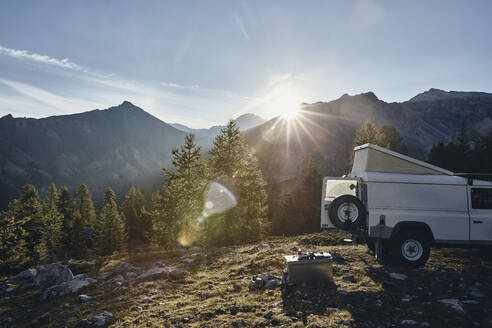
347	212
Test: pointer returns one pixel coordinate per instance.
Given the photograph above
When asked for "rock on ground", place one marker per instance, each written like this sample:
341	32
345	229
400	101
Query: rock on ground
177	274
154	274
52	274
102	319
398	276
72	286
455	304
26	274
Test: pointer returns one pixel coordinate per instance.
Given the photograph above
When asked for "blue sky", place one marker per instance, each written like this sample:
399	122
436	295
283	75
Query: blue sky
203	62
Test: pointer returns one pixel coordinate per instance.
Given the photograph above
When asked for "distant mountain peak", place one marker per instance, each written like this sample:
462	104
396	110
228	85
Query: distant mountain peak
367	95
127	103
6	117
439	94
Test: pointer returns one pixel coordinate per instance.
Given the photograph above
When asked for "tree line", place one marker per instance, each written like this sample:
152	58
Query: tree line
467	153
35	230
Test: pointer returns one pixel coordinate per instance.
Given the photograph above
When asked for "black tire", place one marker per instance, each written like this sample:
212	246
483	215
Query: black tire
411	248
352	218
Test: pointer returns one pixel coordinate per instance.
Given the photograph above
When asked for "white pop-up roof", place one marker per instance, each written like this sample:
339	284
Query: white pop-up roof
372	158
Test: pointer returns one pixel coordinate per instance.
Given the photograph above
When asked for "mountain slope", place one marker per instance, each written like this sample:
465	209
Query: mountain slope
116	147
437	94
328	128
245	122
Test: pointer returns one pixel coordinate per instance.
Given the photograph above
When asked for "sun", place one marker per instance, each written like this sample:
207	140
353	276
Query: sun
290	112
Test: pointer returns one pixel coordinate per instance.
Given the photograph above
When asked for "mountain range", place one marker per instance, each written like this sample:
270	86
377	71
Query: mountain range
124	145
327	129
245	122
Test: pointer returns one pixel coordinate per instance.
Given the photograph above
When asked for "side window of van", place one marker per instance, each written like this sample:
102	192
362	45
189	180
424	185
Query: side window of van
481	198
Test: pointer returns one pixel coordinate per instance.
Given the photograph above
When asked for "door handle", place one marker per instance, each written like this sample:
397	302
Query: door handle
477	221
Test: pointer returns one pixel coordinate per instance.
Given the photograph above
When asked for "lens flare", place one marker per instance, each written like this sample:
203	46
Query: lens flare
218	199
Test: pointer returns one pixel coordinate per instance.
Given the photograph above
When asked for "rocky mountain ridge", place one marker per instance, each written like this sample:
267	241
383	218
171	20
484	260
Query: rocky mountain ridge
245	122
124	145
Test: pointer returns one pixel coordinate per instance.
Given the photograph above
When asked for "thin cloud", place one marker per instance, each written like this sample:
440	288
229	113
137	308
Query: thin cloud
62	104
24	54
241	27
162	99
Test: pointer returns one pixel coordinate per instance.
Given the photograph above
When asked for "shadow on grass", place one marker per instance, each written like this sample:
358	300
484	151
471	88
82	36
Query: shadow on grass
382	301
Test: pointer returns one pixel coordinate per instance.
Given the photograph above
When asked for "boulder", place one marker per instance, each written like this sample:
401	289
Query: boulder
408	322
177	274
72	286
398	276
25	275
77	284
265	281
52	274
130	275
455	304
104	275
102	319
145	300
259	247
84	298
154	274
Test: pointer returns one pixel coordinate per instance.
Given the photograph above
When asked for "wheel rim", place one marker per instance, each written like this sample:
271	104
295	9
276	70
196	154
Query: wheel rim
348	212
412	249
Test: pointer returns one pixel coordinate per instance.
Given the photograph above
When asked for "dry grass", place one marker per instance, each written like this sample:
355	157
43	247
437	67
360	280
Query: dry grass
216	292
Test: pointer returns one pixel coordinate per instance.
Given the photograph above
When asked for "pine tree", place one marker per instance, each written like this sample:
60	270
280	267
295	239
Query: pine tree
13	250
84	221
233	165
112	236
177	208
53	223
27	211
65	206
387	137
368	133
138	224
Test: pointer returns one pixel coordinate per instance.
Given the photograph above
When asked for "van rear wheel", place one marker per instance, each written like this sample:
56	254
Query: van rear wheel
411	249
347	212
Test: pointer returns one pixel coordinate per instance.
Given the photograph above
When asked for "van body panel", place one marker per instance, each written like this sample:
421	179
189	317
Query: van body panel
395	188
480	212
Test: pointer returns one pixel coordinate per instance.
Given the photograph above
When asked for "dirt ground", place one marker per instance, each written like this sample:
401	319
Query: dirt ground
216	292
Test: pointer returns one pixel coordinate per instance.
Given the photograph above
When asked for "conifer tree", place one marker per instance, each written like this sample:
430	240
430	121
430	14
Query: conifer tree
368	133
387	137
232	164
53	222
177	208
138	224
84	221
112	236
65	206
27	211
13	250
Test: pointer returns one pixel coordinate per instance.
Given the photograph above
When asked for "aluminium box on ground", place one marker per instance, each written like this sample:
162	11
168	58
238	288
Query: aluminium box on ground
311	268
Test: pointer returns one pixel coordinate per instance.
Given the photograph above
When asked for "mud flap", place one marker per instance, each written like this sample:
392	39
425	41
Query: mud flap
380	250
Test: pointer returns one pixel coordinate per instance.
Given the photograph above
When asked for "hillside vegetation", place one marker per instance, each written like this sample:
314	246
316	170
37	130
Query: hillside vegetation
213	289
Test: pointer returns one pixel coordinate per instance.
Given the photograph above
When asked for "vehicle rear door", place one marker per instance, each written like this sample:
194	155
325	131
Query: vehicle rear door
480	200
334	187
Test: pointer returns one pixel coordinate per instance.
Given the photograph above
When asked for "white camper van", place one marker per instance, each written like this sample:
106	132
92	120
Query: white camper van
403	206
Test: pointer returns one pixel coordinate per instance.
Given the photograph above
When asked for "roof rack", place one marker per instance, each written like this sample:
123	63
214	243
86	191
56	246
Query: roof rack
477	176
